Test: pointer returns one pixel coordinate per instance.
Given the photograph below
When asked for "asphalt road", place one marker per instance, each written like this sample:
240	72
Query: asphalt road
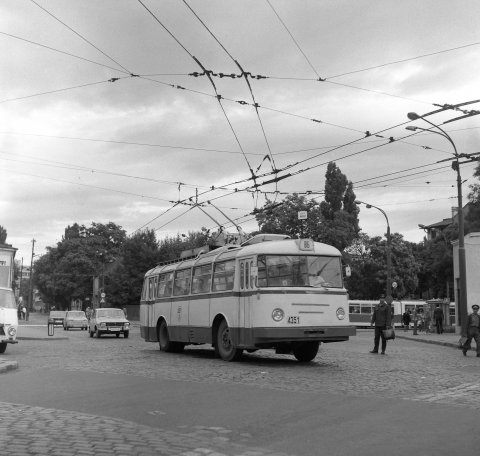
123	396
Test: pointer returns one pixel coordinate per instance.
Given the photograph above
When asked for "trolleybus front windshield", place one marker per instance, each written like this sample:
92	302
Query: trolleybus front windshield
299	271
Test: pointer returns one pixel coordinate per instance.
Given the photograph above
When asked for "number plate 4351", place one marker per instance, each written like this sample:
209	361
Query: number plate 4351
293	320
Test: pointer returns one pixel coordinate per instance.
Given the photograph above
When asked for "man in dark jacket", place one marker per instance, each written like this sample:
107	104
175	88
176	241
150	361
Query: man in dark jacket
473	330
382	318
438	316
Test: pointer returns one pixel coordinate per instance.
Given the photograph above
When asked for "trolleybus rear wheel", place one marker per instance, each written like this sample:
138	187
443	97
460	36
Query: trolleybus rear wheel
306	351
224	346
164	341
3	347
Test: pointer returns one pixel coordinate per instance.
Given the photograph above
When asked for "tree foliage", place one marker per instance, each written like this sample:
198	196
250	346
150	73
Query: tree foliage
334	221
369	267
66	271
3	235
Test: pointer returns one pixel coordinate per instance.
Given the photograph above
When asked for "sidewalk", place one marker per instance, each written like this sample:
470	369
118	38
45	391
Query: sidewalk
446	339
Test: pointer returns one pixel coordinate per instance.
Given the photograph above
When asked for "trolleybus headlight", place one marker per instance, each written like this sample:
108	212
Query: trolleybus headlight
11	331
340	313
278	314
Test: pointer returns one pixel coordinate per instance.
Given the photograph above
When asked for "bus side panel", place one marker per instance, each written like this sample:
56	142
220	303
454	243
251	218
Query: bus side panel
178	319
198	319
225	304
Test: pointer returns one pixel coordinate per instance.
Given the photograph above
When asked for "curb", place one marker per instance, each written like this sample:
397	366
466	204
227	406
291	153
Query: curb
434	342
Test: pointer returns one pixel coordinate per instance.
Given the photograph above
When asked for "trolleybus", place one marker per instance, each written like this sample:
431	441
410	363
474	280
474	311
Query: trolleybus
361	310
271	292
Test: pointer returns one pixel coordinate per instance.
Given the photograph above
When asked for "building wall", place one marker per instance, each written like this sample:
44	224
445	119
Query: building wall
7	256
472	259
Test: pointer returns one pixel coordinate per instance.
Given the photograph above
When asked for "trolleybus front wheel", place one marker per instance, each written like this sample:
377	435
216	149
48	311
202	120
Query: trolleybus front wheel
306	351
3	347
224	346
164	341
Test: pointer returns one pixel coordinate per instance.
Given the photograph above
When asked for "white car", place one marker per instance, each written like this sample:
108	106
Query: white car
8	318
75	319
108	321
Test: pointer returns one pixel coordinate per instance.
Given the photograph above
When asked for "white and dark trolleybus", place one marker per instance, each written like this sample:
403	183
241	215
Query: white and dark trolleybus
270	292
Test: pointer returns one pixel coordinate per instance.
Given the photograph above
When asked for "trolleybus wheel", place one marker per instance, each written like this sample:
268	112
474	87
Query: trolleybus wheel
3	347
224	346
164	341
306	351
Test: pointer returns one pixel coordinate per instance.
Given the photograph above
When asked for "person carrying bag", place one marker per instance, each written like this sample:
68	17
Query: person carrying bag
382	319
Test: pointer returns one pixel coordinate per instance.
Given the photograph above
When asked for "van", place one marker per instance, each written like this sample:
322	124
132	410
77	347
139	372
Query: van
8	318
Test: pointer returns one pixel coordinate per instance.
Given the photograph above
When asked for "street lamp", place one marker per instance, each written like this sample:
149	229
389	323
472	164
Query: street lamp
462	304
389	297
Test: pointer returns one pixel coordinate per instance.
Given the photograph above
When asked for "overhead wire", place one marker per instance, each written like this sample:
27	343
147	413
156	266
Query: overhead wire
81	37
217	95
65	53
244	75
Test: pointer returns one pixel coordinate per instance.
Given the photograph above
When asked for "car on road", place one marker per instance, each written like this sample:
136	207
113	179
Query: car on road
57	317
108	321
8	318
75	319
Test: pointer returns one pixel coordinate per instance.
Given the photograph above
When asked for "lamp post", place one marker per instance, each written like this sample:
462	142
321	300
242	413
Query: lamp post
388	290
462	304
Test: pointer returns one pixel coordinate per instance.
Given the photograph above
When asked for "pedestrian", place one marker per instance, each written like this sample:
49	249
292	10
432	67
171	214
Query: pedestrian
382	318
438	317
427	321
473	331
406	320
125	311
24	312
88	313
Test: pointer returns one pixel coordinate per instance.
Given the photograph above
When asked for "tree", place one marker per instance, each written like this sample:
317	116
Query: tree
435	260
333	221
472	219
369	267
340	213
3	235
139	253
282	218
66	271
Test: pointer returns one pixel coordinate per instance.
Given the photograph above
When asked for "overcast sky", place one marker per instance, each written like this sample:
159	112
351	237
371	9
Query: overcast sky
79	145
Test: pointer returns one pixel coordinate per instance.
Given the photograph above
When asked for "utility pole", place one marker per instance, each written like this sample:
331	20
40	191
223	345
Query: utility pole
30	285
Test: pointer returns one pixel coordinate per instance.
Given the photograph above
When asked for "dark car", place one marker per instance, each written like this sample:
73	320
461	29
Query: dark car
57	317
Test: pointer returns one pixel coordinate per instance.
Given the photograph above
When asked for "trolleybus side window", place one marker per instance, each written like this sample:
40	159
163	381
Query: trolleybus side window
242	275
201	278
223	276
144	289
252	276
366	309
164	285
354	308
181	285
247	275
152	285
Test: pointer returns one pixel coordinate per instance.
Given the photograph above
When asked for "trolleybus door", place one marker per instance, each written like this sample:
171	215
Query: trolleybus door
150	299
248	275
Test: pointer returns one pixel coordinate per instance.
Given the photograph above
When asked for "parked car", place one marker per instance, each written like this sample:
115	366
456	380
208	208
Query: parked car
75	319
8	318
108	321
57	317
